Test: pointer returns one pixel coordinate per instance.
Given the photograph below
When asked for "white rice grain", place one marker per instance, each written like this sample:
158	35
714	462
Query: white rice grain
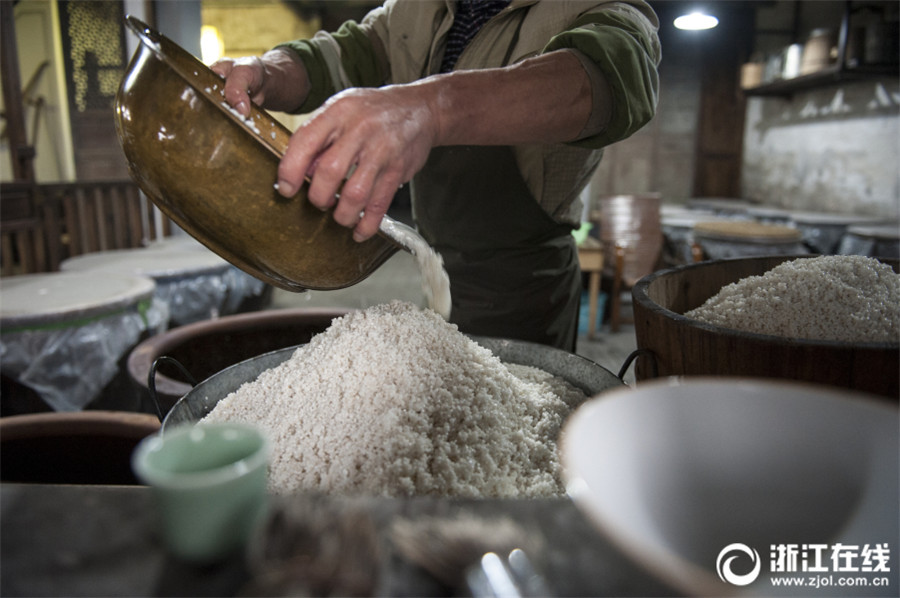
831	298
395	401
435	281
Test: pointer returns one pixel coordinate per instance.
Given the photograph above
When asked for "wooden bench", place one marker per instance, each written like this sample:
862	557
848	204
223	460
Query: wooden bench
22	243
42	225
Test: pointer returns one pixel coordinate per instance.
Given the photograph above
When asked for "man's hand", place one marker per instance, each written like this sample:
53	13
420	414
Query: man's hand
363	143
276	81
382	135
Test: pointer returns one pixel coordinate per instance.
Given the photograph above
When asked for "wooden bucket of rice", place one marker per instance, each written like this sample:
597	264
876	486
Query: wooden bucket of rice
831	320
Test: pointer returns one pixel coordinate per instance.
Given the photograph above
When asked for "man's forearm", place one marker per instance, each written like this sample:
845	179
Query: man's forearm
383	136
546	99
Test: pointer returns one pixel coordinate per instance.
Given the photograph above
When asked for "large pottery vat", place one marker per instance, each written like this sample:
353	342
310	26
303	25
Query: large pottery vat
590	377
205	348
86	447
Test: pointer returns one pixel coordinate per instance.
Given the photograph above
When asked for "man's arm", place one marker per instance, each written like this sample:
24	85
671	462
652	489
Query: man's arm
593	85
385	134
545	100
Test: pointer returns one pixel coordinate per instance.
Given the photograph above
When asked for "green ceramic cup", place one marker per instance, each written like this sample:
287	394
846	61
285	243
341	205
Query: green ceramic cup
209	486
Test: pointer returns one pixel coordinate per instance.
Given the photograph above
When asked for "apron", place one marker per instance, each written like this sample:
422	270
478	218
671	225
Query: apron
513	270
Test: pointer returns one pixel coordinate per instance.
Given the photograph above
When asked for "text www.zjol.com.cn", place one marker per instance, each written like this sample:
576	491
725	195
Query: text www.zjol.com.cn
827	581
811	565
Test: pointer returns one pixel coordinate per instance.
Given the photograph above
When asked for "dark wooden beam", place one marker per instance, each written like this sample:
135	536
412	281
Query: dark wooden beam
21	154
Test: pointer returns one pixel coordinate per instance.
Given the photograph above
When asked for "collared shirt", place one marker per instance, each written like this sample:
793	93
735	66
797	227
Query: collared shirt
404	41
470	16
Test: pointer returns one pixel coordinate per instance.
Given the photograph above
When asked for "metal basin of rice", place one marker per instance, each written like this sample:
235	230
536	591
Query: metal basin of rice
590	377
675	345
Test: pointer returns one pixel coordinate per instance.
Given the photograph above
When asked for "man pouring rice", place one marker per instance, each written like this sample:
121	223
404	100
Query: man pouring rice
496	111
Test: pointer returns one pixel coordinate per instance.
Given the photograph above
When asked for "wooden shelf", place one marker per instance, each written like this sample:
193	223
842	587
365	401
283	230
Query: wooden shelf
840	72
830	76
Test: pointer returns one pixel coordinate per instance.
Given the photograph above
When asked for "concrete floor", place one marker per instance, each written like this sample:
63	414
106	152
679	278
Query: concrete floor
399	278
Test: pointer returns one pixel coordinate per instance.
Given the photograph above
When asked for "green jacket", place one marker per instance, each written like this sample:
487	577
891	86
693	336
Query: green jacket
403	41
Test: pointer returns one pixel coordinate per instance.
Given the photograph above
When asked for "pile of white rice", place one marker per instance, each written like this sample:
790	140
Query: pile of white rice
395	401
834	298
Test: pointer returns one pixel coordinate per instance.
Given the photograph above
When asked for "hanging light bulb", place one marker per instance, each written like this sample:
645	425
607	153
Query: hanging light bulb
696	21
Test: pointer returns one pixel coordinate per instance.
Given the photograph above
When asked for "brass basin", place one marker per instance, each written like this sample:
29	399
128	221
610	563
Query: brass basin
213	174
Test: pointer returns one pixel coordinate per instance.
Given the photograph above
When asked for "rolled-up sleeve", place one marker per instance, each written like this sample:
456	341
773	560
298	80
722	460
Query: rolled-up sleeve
336	61
624	47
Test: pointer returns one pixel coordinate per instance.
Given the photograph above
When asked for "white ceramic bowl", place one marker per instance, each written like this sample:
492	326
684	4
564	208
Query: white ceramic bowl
676	472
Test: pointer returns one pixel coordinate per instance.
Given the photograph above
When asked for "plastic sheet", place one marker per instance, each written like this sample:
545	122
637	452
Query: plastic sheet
195	283
678	242
869	246
678	232
241	287
822	238
196	297
68	364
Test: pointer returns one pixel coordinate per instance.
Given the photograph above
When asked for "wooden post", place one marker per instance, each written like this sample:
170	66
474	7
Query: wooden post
21	154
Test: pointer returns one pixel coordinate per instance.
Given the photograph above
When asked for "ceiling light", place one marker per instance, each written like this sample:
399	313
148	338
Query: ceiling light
696	21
